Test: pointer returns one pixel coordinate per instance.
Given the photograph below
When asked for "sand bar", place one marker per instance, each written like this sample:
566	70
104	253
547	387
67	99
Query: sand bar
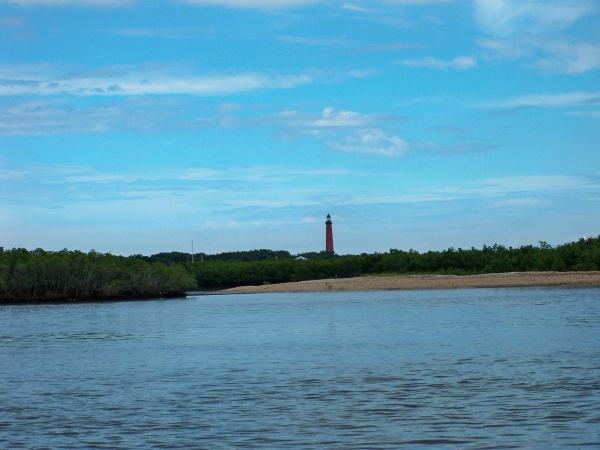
413	282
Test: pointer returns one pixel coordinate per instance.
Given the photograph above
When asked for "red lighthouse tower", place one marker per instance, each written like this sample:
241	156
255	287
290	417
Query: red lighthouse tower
328	235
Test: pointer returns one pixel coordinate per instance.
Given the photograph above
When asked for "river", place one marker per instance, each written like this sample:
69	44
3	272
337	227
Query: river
479	368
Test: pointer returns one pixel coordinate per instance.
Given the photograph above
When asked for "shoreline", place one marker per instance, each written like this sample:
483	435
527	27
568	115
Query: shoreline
76	301
426	282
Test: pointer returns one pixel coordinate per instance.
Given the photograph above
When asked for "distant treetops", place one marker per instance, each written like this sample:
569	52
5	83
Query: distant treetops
39	275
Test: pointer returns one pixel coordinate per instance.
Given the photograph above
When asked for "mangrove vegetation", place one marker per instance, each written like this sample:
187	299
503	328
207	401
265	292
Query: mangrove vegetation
40	275
72	275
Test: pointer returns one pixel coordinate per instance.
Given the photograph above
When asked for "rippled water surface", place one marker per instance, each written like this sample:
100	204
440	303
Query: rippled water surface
484	368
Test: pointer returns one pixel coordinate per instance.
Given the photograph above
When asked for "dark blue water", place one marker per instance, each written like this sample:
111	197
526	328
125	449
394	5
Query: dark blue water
485	368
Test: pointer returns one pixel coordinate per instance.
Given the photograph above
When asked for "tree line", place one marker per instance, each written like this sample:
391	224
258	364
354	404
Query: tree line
67	275
240	256
39	275
583	255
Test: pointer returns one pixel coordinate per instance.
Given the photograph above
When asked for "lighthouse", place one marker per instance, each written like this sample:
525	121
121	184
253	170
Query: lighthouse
328	235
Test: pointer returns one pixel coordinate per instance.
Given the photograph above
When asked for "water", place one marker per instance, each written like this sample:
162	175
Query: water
485	368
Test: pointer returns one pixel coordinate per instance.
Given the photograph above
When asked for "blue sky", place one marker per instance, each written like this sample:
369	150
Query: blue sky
137	126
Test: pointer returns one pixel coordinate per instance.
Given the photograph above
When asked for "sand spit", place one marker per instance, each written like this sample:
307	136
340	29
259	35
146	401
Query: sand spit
412	282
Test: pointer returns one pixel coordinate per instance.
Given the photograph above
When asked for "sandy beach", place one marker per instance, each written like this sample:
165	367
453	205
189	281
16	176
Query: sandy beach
412	282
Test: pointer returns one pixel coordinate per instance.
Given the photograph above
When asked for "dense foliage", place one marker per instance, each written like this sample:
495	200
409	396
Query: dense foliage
578	256
61	276
65	275
243	256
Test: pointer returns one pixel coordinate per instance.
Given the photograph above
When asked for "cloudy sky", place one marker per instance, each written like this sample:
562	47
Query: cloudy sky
137	126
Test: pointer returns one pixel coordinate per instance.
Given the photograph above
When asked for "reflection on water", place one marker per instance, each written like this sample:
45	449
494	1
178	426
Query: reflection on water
35	339
495	368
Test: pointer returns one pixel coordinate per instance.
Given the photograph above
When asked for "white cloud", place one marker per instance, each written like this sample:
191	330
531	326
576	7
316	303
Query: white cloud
6	174
78	3
508	190
281	4
255	4
244	4
541	33
519	203
355	8
346	131
555	55
420	2
535	183
531	191
163	32
372	142
458	63
133	81
506	17
330	118
547	100
511	49
50	115
470	147
569	58
142	185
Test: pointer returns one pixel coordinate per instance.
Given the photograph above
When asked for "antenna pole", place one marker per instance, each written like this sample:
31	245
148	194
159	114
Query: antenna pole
192	252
